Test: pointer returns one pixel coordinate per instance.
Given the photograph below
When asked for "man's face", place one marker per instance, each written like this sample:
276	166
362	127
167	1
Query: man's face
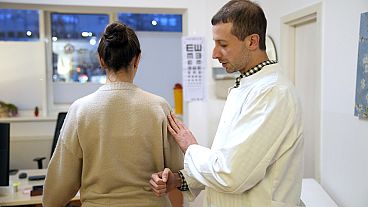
231	52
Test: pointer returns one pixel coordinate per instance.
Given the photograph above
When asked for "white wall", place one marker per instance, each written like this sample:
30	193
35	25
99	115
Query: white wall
30	139
18	76
344	144
344	161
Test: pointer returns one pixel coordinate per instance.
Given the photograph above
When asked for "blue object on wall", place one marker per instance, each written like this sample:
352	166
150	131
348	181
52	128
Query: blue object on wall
361	96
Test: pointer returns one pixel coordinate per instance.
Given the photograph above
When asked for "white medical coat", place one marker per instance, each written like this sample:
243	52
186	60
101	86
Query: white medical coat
256	159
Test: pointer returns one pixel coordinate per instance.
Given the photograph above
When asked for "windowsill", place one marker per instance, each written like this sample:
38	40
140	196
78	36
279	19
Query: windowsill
27	119
45	118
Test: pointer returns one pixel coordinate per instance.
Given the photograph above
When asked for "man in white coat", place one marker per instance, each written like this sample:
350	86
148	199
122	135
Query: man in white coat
256	159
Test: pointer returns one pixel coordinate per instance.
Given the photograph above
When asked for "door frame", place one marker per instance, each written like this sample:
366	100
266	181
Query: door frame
289	23
288	27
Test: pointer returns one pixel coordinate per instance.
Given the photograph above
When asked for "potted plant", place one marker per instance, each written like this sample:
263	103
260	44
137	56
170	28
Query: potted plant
8	110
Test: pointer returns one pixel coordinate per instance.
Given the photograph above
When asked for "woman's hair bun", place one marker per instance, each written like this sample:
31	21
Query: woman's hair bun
116	34
118	46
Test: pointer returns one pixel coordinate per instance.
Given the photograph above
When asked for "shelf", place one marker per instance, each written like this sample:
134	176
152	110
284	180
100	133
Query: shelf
27	119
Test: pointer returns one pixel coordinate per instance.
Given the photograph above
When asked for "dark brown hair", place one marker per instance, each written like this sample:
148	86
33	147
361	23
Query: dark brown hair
247	18
118	46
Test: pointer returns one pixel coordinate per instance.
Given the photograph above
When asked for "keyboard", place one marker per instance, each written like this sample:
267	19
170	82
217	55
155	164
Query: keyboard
36	177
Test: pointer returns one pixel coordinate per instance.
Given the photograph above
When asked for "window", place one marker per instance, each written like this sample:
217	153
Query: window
152	22
69	61
19	25
74	47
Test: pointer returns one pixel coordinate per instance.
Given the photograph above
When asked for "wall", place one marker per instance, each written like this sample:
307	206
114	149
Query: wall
345	138
158	59
18	76
344	143
30	139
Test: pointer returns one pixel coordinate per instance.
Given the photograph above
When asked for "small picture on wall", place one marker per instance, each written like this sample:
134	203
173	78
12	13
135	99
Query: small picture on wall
361	95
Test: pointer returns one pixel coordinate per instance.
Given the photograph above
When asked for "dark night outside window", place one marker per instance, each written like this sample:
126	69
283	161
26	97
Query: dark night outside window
152	22
19	25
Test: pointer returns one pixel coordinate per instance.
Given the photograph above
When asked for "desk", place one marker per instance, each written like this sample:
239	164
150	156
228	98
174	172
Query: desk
22	197
313	194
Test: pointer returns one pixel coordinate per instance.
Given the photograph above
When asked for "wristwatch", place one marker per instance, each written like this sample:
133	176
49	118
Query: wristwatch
183	186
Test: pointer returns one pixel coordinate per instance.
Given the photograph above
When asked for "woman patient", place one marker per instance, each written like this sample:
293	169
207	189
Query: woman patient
113	139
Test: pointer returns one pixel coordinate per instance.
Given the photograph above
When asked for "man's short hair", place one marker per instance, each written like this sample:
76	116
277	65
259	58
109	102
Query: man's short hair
247	18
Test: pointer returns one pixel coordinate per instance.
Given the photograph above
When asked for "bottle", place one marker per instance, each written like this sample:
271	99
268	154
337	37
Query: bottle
36	111
178	99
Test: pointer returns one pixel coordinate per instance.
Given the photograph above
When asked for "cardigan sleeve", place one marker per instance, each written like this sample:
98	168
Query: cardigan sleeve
173	156
63	177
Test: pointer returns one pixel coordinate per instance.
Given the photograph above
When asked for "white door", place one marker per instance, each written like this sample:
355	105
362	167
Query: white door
308	84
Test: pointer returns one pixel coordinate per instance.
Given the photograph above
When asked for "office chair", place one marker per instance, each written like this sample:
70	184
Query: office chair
59	124
4	153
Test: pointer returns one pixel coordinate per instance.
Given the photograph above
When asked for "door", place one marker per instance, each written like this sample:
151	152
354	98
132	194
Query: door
308	85
301	57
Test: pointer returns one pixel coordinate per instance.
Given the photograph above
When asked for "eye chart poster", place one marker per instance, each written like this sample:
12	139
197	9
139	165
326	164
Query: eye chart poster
193	68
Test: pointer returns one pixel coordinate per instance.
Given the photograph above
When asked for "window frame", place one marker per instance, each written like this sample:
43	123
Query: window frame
49	108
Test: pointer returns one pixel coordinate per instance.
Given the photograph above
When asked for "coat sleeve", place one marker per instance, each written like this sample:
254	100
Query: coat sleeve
263	132
63	177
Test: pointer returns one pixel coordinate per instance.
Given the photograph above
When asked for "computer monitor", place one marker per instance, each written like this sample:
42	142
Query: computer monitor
4	153
59	124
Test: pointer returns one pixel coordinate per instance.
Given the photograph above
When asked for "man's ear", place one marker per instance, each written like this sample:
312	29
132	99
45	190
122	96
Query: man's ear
253	41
